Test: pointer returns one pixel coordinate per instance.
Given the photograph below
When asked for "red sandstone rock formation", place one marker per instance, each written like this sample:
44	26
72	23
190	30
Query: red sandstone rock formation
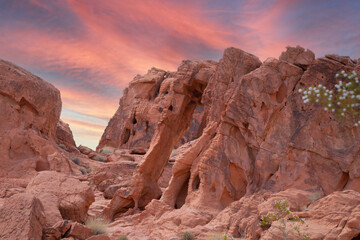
251	141
259	136
21	217
63	197
30	110
141	108
64	136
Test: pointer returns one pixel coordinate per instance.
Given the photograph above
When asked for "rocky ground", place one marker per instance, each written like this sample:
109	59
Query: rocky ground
206	149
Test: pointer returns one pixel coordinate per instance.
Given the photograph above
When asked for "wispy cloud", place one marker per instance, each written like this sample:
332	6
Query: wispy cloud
91	49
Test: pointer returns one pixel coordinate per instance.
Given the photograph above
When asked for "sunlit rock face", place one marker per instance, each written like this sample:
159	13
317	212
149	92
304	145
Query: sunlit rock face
141	107
206	149
257	138
30	110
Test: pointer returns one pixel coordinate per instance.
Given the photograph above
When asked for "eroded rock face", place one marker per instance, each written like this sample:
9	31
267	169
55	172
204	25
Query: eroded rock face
181	94
298	56
331	217
63	197
259	137
30	110
64	136
21	217
269	139
141	108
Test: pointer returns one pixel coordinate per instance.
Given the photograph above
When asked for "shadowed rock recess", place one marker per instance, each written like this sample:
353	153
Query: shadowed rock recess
235	134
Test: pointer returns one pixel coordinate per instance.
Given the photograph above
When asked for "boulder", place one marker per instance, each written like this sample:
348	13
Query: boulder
298	56
85	150
63	197
21	217
79	231
64	136
30	111
331	217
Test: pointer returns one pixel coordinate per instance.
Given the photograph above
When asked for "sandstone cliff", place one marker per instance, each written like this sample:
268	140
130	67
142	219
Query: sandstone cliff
258	138
205	149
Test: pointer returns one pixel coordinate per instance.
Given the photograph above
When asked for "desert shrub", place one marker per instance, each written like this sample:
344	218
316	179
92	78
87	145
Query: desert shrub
99	158
89	170
128	158
107	150
343	101
315	196
288	221
221	236
62	146
82	170
187	236
174	153
97	225
75	160
122	237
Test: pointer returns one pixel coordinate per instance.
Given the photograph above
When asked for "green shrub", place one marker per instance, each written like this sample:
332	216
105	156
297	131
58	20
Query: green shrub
343	101
286	218
315	196
174	153
97	225
122	237
62	146
82	170
75	160
107	150
99	158
187	236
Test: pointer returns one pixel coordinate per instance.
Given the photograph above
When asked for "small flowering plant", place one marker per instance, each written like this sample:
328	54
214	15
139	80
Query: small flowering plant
288	220
343	101
227	236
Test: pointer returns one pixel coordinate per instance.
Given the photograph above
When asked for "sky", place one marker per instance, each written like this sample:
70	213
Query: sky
90	49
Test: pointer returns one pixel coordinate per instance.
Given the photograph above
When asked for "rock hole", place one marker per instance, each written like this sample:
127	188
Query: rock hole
134	121
238	180
42	166
226	198
171	107
196	183
146	126
281	94
356	237
125	136
180	199
264	112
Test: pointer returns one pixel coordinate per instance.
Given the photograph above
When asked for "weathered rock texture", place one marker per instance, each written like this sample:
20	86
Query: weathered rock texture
30	110
258	136
64	136
141	108
181	94
63	197
21	217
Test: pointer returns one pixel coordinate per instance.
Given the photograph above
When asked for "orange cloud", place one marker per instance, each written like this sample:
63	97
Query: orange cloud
88	103
85	125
